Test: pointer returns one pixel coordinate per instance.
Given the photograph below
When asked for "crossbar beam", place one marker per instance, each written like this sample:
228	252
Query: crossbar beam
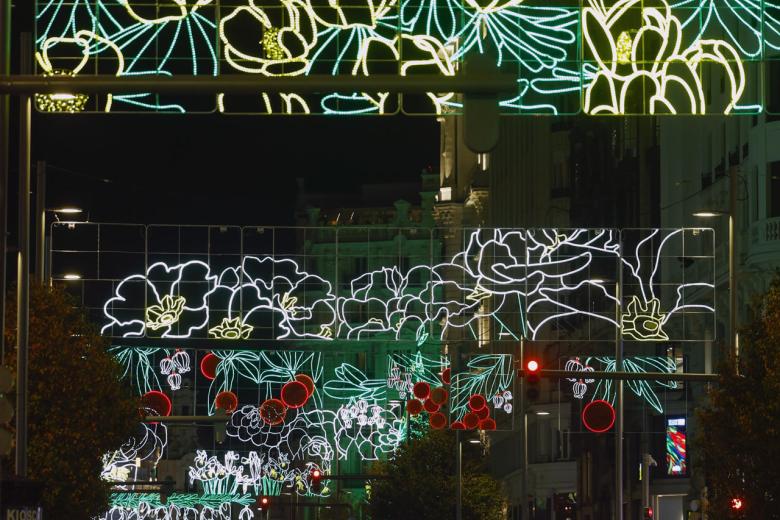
625	376
252	84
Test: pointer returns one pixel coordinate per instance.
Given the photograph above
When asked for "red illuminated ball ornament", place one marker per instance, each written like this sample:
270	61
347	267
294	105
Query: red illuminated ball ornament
598	416
307	381
437	421
445	376
158	402
487	424
477	402
439	395
208	366
294	394
414	407
457	425
483	413
421	390
227	401
273	412
470	420
430	406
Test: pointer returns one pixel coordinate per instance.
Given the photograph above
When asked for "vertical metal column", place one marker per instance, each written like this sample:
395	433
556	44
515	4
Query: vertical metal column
619	399
459	471
5	131
733	349
40	215
23	265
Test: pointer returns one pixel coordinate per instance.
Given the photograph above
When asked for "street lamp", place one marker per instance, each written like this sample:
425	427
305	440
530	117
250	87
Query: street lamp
40	233
733	353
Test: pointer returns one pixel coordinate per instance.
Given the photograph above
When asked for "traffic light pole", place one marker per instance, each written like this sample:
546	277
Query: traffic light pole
619	399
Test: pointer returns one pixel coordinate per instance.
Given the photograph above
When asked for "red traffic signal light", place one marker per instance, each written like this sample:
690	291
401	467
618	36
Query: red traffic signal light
532	367
648	513
263	503
314	479
736	504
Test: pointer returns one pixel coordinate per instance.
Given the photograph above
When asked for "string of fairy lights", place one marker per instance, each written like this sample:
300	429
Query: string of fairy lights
588	58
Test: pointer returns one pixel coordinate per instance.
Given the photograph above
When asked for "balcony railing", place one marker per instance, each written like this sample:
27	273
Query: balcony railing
765	232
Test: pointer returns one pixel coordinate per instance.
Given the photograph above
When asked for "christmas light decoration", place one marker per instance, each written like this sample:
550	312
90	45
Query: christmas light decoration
559	262
539	43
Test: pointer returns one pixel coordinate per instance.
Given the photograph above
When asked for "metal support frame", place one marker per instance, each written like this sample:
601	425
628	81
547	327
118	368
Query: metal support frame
5	131
244	84
23	265
619	400
693	377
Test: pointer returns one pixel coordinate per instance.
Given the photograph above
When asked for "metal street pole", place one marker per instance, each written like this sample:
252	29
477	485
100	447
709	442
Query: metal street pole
459	470
734	350
5	131
619	400
40	228
23	265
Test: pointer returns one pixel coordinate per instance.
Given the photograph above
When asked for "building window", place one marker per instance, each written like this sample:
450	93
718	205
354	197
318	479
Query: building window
773	90
773	191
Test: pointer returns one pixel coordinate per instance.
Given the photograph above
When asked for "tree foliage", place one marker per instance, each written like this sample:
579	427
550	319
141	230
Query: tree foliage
420	482
77	409
741	424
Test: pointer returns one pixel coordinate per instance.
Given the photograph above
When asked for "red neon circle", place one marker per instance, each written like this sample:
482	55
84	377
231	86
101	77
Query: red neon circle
307	381
430	406
533	365
598	416
208	366
487	424
439	395
483	413
295	394
437	421
414	407
445	376
477	402
421	390
457	425
273	412
470	420
157	401
227	401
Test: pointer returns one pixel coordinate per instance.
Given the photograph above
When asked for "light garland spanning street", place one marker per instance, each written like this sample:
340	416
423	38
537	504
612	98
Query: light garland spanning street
590	56
538	276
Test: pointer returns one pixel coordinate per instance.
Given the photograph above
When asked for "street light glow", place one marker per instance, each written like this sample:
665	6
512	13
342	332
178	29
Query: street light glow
72	276
70	210
708	214
542	412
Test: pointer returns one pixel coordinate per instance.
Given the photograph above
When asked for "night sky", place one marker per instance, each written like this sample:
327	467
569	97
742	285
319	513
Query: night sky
203	169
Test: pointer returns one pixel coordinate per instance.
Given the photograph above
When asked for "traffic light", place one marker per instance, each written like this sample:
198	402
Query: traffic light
532	380
6	410
263	503
736	504
647	514
314	480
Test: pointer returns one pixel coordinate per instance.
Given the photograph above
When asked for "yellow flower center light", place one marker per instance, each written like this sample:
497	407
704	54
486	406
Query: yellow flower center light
273	51
624	44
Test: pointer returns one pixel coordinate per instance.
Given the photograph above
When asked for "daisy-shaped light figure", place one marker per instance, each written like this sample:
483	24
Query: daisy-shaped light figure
659	75
644	322
231	328
166	313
